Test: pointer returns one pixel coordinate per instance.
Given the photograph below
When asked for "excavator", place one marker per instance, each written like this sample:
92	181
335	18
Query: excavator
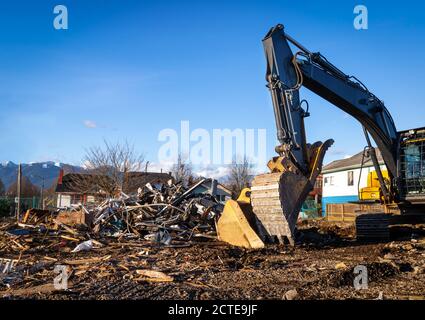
268	210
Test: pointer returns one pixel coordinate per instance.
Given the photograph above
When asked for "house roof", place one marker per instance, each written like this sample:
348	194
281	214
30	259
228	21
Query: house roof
136	180
79	183
353	162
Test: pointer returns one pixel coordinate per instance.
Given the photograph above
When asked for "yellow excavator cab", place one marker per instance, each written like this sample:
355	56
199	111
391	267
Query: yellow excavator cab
372	191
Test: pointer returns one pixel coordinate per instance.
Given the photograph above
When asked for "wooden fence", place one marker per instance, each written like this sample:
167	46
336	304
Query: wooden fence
347	212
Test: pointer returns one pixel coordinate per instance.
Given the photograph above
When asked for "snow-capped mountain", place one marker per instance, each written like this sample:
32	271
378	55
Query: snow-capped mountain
35	171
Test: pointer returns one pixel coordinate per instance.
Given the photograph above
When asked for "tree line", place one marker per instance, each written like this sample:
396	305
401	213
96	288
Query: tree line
113	162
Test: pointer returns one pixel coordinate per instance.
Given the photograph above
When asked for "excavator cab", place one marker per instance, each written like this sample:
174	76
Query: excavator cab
412	166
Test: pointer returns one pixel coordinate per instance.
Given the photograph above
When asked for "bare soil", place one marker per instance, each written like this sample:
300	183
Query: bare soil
321	266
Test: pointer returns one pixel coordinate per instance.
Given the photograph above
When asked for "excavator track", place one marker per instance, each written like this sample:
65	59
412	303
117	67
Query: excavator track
371	227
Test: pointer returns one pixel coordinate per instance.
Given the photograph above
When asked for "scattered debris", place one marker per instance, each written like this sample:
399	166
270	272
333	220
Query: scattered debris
137	260
160	213
86	246
291	294
152	275
130	267
340	265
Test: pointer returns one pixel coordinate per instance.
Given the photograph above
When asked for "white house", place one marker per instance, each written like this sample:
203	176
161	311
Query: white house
341	178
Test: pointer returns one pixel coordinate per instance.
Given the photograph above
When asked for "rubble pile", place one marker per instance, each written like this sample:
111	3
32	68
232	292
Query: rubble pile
157	212
162	214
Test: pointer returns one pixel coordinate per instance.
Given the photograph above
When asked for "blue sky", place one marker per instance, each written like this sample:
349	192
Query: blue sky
133	68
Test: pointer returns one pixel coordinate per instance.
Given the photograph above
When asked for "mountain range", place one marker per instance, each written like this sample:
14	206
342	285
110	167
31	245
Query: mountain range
36	172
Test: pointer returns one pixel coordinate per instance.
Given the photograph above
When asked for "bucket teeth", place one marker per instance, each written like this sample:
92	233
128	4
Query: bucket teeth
275	199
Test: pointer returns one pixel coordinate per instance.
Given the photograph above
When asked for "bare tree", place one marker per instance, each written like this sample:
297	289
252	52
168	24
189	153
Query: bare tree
108	168
28	190
240	174
182	170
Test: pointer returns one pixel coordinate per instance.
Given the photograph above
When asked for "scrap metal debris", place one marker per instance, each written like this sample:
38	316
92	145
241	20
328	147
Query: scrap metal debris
162	213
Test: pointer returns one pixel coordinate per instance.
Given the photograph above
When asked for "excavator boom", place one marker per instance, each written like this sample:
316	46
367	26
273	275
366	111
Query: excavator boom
276	197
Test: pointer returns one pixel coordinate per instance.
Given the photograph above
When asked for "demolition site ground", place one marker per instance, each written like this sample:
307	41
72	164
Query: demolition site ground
321	266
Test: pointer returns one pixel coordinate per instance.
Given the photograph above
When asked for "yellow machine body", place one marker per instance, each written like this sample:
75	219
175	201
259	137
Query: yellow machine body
373	191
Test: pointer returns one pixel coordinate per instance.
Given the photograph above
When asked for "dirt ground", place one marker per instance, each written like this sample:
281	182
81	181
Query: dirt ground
321	266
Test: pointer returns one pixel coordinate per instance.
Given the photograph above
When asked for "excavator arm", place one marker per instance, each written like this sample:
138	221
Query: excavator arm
276	198
287	73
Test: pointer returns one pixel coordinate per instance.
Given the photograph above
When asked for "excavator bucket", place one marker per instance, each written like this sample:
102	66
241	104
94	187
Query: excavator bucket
269	210
236	225
276	201
277	197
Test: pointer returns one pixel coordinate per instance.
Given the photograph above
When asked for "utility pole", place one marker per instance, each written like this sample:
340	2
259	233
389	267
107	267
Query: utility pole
42	190
18	206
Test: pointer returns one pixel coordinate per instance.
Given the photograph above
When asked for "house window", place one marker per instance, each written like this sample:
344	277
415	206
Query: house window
329	180
350	178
